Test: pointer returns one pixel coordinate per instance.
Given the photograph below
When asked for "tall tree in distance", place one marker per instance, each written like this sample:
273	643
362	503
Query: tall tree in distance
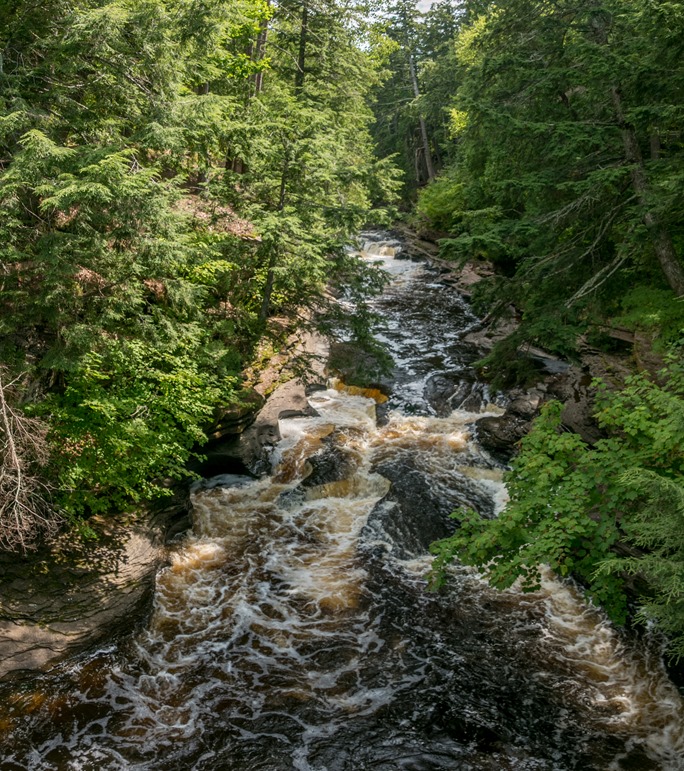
568	157
410	121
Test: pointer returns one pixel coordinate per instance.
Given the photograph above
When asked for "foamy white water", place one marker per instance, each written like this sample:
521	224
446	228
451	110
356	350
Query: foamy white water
293	628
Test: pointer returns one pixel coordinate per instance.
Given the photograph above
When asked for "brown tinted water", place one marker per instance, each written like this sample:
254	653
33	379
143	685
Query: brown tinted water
293	628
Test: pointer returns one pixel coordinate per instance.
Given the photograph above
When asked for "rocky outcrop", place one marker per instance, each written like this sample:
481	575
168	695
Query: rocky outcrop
251	430
254	445
411	516
500	435
77	593
233	419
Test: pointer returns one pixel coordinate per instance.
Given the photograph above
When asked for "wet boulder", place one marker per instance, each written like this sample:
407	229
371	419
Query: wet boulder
448	392
500	435
332	464
415	512
526	406
357	367
305	412
252	447
443	392
329	465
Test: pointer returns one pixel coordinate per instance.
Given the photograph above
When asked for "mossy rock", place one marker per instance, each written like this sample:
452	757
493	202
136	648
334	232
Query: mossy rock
361	368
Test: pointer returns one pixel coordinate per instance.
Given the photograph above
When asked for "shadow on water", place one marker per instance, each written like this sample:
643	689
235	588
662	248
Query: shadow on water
294	629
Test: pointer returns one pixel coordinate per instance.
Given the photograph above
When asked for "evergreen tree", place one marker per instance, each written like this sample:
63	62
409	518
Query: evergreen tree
569	154
412	122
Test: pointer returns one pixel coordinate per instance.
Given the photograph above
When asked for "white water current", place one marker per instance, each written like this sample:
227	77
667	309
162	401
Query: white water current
293	628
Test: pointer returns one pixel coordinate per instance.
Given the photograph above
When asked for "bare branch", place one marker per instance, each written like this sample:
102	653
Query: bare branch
25	513
596	281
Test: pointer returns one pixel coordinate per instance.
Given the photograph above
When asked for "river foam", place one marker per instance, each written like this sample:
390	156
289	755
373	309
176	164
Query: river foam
293	627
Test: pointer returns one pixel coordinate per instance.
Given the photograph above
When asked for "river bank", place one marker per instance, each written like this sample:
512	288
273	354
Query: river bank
82	591
569	382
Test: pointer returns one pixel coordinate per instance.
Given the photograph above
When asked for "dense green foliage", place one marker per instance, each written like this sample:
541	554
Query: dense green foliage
567	157
172	175
421	64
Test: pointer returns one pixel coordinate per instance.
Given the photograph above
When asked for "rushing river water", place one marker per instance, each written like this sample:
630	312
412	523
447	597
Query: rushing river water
294	629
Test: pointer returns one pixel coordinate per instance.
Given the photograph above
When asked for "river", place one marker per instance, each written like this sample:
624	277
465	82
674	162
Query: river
294	628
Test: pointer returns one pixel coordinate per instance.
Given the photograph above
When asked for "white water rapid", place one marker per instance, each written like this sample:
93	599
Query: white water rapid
293	629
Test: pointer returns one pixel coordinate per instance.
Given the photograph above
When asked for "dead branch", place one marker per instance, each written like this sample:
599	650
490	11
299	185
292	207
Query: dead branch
596	281
25	512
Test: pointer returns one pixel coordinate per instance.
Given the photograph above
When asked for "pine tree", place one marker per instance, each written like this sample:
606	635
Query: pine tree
567	160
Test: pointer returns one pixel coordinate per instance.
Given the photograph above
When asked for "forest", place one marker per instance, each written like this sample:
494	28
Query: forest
180	181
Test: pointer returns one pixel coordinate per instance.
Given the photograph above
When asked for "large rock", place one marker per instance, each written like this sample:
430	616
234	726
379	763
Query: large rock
443	392
76	594
233	419
246	445
249	450
574	389
573	386
415	513
331	464
446	392
256	443
357	367
501	434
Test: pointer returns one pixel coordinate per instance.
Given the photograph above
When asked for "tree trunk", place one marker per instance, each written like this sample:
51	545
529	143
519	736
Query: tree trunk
202	176
423	129
273	256
259	55
416	164
268	287
303	39
655	147
662	241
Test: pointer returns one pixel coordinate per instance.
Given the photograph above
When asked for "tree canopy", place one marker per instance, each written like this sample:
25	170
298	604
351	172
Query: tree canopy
567	157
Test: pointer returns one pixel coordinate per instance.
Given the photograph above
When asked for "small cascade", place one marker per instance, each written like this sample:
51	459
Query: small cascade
379	244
